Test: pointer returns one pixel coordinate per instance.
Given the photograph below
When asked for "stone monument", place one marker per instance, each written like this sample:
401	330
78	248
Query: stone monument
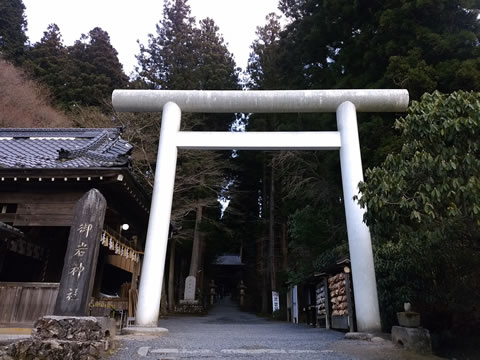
189	305
409	334
81	257
189	293
71	333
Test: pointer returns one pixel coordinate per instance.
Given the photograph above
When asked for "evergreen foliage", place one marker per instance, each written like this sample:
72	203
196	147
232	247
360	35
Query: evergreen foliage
344	44
183	56
168	61
83	74
96	70
48	62
13	25
417	45
263	60
423	210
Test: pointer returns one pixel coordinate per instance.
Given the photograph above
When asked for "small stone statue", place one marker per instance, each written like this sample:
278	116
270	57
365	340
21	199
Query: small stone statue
242	288
213	292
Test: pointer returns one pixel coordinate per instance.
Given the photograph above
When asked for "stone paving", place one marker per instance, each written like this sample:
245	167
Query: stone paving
227	333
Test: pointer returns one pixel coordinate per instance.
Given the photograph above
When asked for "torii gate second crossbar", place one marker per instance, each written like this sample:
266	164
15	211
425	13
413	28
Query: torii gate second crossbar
345	103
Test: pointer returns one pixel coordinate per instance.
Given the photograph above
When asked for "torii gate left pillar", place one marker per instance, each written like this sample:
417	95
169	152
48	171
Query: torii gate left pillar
344	102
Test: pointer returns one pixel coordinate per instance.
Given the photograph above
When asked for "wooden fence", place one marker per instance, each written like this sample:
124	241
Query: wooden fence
24	303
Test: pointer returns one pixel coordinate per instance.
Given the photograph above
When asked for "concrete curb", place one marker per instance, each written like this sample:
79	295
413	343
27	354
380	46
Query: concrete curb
144	330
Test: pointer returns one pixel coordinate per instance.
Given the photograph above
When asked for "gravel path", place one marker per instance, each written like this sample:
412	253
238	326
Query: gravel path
227	333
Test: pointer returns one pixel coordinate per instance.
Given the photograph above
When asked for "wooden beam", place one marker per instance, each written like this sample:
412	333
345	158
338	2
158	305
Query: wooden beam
43	220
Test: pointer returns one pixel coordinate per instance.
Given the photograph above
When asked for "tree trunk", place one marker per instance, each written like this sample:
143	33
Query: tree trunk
263	264
181	278
284	247
197	239
201	265
171	278
3	252
163	299
196	248
271	231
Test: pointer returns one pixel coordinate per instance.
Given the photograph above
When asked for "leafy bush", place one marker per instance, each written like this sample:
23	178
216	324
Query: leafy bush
424	208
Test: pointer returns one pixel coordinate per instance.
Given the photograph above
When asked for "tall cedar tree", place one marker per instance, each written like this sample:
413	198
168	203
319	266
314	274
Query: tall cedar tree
262	75
183	56
417	45
48	62
263	60
304	181
96	70
13	25
168	61
83	74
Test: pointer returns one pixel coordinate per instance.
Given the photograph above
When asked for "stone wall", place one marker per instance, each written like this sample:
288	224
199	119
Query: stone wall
60	338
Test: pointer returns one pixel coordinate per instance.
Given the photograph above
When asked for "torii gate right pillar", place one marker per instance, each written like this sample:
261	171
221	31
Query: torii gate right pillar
359	241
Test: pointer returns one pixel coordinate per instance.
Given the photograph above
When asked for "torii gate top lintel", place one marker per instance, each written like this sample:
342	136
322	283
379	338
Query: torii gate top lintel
262	101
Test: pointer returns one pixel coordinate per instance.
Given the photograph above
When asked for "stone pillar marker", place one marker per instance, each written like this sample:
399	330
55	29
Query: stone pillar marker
213	292
190	285
190	305
80	262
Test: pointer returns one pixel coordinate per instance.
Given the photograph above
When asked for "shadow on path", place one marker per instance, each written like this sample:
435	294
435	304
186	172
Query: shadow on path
226	311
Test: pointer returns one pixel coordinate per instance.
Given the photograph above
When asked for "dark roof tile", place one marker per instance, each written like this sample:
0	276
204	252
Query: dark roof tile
62	148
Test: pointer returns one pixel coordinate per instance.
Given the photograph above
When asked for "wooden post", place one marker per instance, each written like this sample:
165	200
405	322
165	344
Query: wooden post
327	303
80	262
348	292
3	252
97	285
171	278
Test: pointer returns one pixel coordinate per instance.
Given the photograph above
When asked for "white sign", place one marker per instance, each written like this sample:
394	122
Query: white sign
295	305
275	301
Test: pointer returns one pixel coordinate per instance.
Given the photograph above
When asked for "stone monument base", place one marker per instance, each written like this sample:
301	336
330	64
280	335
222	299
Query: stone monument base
414	339
408	319
145	330
57	337
188	302
189	307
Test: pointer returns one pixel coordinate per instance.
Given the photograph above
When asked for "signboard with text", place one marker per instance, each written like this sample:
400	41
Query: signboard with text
275	301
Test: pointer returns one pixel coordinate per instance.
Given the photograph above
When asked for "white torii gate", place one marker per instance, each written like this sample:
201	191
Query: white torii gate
344	102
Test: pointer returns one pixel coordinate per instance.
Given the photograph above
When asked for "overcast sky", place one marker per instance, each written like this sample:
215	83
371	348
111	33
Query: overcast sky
129	20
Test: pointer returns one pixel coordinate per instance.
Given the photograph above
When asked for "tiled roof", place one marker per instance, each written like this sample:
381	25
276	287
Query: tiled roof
62	148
